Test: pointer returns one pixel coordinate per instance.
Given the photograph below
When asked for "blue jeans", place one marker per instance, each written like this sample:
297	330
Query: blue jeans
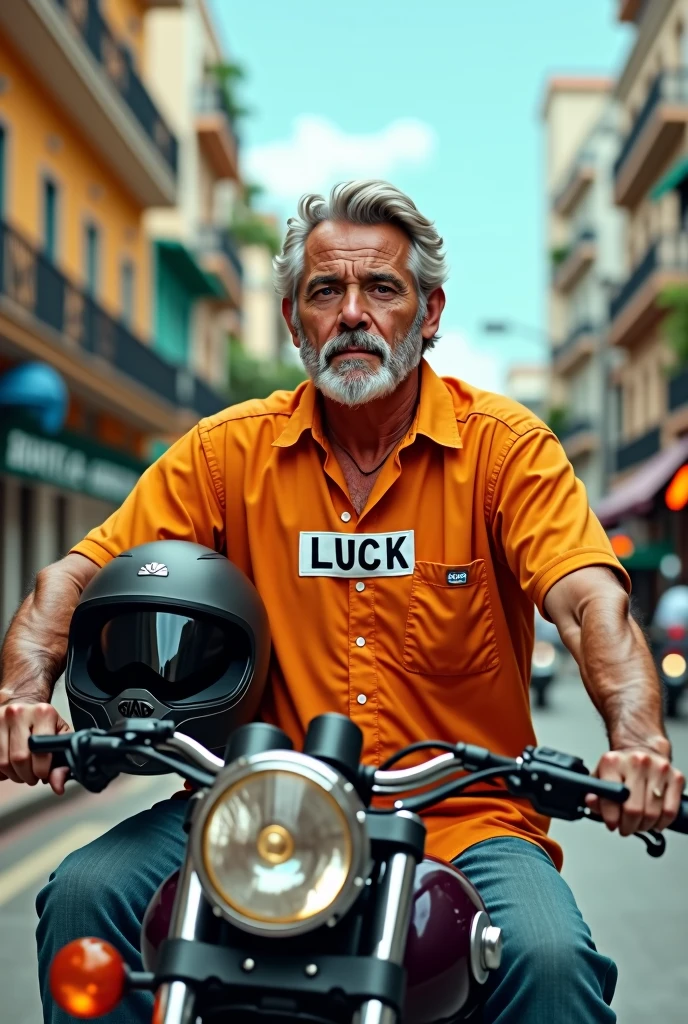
551	972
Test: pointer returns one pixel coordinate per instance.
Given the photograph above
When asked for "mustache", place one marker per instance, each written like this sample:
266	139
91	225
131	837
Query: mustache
372	343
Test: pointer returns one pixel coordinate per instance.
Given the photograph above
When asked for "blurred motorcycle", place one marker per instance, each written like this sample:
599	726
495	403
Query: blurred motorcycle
545	659
669	638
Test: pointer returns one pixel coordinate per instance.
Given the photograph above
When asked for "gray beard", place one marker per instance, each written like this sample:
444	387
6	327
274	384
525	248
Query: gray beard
354	381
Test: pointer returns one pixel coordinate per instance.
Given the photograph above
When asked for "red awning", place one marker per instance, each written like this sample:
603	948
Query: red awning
635	494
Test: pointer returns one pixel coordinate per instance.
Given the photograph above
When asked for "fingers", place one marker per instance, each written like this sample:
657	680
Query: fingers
655	790
17	723
57	779
609	768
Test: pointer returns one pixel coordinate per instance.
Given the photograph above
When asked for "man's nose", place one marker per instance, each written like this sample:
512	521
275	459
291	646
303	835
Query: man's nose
353	316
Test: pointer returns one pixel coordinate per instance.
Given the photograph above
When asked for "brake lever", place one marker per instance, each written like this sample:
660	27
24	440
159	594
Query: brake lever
655	843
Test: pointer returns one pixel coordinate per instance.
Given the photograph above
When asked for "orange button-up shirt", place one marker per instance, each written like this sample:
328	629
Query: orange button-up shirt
422	628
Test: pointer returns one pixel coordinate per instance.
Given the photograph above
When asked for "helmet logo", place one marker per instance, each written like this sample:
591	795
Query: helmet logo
135	708
154	569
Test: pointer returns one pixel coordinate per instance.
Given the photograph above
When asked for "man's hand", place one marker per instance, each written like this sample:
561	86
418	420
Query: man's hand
655	787
18	721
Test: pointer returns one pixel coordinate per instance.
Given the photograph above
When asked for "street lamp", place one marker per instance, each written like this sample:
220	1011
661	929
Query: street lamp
535	334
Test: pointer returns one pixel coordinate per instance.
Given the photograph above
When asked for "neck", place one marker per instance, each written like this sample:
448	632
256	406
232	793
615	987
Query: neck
369	430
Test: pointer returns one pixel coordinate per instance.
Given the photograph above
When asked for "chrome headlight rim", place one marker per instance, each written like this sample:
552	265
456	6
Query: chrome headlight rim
349	804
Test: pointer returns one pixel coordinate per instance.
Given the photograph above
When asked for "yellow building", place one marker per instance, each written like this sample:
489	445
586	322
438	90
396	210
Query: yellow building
85	151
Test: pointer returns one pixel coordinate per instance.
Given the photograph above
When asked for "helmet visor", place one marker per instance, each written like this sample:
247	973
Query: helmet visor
172	655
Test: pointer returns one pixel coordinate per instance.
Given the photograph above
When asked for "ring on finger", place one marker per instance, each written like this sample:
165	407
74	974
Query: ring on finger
659	793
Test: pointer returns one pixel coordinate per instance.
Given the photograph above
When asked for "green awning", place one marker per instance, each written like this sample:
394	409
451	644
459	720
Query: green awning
185	265
672	179
648	556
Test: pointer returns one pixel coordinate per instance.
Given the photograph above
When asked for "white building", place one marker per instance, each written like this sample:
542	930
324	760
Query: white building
585	238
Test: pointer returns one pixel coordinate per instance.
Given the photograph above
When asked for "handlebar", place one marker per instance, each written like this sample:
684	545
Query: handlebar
555	783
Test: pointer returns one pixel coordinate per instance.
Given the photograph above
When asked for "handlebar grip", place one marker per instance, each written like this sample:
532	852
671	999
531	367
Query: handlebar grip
680	824
55	745
614	791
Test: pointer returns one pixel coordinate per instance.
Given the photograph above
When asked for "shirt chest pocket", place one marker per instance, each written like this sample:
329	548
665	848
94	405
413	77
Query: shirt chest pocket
450	629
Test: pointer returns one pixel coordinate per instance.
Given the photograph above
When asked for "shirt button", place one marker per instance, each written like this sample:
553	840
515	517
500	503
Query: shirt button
360	641
361	698
360	586
345	517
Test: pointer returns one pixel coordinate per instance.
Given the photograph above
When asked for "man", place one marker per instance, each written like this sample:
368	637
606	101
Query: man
399	529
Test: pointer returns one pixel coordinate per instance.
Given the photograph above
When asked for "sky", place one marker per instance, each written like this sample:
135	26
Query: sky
441	97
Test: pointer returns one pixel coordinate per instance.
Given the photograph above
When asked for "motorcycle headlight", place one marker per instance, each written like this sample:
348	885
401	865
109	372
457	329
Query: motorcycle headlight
280	843
543	654
673	665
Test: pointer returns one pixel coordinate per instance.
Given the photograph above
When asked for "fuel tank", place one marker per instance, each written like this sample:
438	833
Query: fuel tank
442	953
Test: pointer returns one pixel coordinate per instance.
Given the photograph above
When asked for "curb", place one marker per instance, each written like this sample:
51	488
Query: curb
21	810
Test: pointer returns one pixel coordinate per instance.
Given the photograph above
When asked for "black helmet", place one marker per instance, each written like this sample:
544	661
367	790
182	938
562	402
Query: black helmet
169	630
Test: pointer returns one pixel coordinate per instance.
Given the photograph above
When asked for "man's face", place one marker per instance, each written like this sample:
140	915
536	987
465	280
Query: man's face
359	320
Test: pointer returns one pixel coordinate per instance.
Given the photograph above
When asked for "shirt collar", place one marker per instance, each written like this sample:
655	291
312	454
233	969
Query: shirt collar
435	416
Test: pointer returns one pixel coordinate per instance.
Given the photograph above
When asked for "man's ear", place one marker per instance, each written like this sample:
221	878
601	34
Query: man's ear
431	324
287	311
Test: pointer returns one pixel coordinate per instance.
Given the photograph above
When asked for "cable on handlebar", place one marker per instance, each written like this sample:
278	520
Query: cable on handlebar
454	788
190	772
413	748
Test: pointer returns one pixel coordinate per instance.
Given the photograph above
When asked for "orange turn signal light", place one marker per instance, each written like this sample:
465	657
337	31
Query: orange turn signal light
677	492
87	978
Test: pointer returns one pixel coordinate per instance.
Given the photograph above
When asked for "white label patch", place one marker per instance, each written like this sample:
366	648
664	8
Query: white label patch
356	554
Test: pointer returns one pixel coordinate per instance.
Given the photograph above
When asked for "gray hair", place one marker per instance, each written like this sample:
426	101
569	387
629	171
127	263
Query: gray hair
364	202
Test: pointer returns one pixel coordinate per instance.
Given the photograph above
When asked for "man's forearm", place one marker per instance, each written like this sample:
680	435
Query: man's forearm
35	648
616	665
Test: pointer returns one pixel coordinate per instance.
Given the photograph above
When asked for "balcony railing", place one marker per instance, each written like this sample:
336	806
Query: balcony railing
579	173
584	329
212	239
668	87
678	391
642	448
670	252
31	280
582	425
117	64
211	99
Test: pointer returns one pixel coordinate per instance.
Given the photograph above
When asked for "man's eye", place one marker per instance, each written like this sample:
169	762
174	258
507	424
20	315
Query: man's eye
383	288
325	291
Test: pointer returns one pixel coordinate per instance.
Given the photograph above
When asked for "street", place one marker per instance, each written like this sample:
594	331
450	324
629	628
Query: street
637	907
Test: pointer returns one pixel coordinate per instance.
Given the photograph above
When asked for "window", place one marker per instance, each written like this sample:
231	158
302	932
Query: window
50	219
127	292
61	520
3	155
92	259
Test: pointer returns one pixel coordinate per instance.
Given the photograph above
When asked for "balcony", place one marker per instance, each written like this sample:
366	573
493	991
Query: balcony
216	131
578	179
45	316
633	452
635	310
631	10
580	437
657	131
219	256
71	49
580	344
579	256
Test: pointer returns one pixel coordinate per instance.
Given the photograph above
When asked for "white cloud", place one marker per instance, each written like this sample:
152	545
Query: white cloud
318	153
455	356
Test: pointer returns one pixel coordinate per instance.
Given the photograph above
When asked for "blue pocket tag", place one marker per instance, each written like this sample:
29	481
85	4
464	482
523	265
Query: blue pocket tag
457	578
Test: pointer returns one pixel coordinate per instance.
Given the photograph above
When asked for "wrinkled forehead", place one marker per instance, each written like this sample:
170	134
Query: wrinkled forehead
351	249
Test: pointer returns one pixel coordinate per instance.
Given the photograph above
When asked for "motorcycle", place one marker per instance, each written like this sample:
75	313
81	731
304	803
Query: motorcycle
669	635
305	896
545	659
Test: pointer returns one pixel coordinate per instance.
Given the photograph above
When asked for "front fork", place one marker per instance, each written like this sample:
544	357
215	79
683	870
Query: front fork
175	1001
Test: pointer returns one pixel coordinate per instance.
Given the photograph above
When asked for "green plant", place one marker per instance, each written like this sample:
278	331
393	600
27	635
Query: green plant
258	378
558	254
250	227
557	419
674	299
227	77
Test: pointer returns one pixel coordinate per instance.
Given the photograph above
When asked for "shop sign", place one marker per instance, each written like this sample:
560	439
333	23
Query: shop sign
85	468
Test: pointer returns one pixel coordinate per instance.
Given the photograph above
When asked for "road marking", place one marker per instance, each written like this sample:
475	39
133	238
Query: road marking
40	864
